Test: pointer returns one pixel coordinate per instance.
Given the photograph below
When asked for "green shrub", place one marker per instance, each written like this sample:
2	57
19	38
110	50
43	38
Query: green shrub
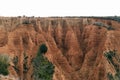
15	60
4	64
110	55
43	48
43	69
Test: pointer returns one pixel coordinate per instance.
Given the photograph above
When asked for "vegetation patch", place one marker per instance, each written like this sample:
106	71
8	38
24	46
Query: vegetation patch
43	68
100	25
4	64
110	55
26	22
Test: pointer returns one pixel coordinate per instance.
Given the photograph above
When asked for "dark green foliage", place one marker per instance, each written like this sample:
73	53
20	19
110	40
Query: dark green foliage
3	69
43	69
117	76
4	64
25	64
26	22
43	48
15	61
110	77
110	55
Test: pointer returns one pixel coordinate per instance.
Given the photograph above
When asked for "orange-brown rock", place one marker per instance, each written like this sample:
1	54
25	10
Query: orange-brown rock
75	46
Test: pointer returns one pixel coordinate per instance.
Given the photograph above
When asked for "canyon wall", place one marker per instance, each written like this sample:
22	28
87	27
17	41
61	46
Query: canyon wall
75	45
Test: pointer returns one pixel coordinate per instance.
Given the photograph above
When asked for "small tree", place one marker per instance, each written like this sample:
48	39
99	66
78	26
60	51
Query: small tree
43	69
4	64
43	48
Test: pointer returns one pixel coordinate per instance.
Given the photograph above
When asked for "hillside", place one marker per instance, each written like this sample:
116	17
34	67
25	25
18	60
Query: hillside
76	46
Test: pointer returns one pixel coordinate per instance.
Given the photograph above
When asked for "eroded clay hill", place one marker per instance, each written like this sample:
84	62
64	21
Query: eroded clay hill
75	45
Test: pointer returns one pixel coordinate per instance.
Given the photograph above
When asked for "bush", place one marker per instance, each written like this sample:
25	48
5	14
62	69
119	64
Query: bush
43	48
43	69
4	64
108	55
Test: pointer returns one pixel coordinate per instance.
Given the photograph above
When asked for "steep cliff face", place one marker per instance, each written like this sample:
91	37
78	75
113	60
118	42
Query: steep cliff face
75	45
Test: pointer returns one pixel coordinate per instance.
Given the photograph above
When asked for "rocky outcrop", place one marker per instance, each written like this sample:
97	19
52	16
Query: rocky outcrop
75	45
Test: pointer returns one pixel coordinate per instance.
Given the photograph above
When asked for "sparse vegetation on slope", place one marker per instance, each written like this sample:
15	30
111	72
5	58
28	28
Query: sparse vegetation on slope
75	46
110	55
100	24
15	62
25	65
26	22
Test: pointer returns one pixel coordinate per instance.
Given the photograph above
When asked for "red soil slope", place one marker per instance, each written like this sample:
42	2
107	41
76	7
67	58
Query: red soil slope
75	45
